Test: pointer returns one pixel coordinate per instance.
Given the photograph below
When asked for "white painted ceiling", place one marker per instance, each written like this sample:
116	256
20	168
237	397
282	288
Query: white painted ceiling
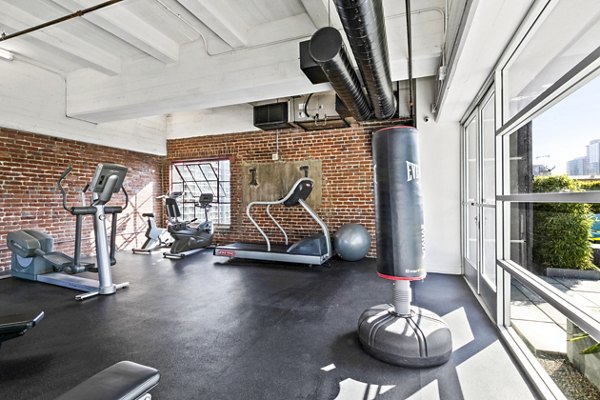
140	58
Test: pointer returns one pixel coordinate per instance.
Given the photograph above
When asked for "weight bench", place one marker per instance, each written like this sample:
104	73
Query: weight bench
13	326
125	380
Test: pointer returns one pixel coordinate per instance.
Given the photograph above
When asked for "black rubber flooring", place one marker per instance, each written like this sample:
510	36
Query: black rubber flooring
244	330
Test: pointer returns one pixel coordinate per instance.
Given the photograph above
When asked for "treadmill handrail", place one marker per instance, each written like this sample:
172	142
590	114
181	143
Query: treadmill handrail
319	221
277	224
264	235
281	201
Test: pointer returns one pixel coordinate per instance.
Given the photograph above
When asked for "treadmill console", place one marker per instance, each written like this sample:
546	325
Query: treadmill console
301	191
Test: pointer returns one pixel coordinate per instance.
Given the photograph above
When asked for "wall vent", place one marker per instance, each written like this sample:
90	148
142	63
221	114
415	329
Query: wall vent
272	116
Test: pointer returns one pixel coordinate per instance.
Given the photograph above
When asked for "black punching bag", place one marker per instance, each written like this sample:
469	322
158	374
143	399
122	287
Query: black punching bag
400	333
398	204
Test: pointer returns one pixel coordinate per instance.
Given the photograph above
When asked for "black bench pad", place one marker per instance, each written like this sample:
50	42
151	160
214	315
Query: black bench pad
12	326
125	380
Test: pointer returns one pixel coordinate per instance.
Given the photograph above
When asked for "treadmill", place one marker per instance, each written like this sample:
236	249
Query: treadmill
313	250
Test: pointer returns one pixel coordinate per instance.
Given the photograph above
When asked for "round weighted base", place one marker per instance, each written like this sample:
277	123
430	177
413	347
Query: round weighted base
420	340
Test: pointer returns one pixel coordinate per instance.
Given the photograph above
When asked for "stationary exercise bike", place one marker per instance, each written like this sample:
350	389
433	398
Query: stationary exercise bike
188	239
156	238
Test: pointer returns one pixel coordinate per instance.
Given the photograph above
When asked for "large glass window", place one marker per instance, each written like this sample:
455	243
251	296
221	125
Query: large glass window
553	157
552	337
551	200
192	178
564	140
568	34
541	183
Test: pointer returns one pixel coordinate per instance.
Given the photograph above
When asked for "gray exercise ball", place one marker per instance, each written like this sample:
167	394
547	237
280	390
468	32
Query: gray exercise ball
352	242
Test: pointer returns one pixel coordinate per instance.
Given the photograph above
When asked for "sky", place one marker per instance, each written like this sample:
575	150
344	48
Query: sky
561	133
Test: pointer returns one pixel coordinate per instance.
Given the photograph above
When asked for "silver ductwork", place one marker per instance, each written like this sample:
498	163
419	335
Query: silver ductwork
364	23
327	49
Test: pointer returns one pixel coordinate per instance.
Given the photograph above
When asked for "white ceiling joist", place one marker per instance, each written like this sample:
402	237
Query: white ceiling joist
322	12
213	42
298	26
317	11
235	78
230	27
130	28
78	48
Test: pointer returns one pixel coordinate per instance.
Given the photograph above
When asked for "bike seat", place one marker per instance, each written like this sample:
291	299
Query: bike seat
148	215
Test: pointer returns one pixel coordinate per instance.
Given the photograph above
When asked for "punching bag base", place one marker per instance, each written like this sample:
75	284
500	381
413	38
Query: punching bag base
420	340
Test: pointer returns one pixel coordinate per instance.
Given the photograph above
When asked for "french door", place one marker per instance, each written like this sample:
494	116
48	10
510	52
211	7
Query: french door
479	201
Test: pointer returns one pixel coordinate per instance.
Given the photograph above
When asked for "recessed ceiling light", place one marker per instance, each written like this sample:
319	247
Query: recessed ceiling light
7	55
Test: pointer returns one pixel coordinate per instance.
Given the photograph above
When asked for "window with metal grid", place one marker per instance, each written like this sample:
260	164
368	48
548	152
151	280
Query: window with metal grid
192	178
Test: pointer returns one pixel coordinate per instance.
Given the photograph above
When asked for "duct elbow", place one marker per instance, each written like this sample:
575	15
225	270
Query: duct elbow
327	49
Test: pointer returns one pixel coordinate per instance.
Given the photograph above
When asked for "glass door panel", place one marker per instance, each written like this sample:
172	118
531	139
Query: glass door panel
471	201
488	204
480	202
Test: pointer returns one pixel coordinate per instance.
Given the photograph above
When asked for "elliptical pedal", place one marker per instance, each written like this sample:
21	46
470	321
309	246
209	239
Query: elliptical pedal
63	263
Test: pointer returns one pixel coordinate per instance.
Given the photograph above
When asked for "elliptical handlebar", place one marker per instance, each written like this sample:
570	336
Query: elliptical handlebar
126	197
71	210
65	173
62	190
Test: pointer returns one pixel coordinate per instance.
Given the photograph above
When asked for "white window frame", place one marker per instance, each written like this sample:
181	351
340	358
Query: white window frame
578	76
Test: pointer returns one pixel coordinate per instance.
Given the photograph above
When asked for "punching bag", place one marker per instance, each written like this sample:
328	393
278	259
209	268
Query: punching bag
399	333
398	204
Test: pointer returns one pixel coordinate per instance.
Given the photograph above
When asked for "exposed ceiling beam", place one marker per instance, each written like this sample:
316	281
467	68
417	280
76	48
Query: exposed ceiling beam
80	49
129	27
213	42
295	27
234	78
183	13
232	31
35	52
319	12
200	81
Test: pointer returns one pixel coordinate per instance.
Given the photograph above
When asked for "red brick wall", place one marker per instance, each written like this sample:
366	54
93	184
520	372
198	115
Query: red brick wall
30	165
347	195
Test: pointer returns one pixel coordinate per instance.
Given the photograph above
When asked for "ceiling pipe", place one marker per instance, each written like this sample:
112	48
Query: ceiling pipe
364	23
326	47
76	14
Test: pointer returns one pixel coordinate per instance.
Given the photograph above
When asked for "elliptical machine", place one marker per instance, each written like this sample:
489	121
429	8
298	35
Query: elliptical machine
156	237
188	240
33	257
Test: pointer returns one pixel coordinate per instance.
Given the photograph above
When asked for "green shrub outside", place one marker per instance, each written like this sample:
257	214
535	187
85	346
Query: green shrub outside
561	231
591	185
